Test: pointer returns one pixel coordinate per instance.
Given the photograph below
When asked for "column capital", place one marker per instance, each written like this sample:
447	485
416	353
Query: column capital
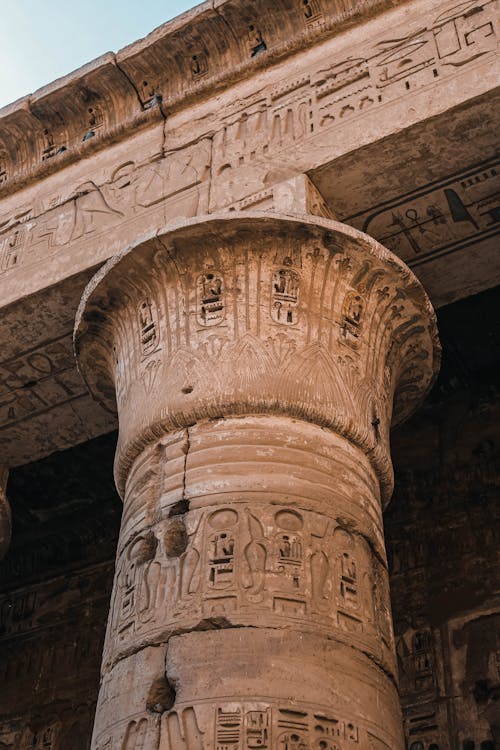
257	313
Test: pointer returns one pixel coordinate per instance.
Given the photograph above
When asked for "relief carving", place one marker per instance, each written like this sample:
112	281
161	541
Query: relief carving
210	293
135	735
285	296
42	739
296	109
91	209
257	726
199	65
311	10
221	553
256	558
265	516
37	393
352	318
180	731
240	563
441	218
148	323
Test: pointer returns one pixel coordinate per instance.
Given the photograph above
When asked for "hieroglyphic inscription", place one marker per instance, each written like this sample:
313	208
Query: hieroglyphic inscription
29	236
297	109
290	112
257	726
38	380
285	296
415	650
352	315
438	219
148	323
233	563
210	293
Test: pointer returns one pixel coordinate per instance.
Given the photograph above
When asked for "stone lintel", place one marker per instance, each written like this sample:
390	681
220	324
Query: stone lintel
211	46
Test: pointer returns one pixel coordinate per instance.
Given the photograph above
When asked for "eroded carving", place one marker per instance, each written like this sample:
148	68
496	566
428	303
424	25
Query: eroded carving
297	547
210	289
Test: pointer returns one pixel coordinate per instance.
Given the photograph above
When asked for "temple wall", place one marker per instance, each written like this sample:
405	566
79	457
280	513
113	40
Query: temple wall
443	548
382	114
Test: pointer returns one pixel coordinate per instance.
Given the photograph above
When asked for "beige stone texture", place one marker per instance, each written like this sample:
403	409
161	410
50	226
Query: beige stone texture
389	108
256	361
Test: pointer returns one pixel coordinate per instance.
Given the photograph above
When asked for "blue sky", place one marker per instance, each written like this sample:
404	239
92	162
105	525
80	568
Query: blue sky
41	40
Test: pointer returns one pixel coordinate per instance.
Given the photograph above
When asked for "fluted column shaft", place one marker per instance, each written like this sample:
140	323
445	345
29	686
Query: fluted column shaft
255	361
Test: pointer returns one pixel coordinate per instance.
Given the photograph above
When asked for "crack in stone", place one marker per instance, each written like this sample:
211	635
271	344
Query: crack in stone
185	448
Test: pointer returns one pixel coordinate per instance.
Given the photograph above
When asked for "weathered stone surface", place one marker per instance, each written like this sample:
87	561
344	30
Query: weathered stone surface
226	325
255	360
443	543
396	132
204	49
254	418
441	534
300	115
55	584
5	514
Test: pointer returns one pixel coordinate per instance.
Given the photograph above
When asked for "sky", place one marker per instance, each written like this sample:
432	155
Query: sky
41	40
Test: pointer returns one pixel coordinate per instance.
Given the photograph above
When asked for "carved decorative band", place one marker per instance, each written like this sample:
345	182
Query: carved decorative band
253	313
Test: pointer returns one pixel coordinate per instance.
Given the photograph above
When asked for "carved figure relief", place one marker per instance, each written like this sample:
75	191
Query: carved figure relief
95	117
48	145
91	211
92	208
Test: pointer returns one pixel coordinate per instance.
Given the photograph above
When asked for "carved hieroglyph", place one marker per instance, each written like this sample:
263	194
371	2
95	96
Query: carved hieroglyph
257	362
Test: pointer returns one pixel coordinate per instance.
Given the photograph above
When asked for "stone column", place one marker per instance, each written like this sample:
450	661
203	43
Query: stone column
5	514
256	362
